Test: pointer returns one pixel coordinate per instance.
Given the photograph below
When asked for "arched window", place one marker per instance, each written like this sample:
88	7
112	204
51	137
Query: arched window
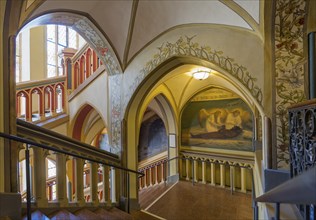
59	37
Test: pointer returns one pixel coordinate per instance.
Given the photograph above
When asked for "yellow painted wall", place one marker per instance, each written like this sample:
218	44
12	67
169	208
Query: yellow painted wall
37	53
2	9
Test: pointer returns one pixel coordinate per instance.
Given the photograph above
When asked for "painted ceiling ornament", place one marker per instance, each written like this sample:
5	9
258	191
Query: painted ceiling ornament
185	46
99	43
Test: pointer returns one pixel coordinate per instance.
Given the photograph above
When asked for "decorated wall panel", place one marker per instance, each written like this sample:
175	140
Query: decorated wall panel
289	68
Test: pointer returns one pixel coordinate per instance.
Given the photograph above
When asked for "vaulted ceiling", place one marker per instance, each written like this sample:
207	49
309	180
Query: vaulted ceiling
130	25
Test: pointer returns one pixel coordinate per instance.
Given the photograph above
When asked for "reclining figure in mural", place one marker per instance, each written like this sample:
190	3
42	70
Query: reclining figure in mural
219	124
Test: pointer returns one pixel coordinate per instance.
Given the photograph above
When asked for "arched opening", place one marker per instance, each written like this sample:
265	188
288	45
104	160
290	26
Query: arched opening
174	78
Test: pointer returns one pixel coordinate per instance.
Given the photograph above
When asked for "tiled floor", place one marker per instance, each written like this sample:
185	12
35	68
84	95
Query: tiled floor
200	201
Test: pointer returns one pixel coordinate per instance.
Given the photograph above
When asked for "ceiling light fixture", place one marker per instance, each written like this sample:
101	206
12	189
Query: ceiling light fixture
201	74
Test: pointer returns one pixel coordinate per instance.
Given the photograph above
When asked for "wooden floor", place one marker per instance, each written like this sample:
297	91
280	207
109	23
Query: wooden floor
184	201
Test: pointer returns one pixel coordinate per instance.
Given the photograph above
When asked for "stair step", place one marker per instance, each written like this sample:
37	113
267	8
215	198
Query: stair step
38	215
86	214
62	215
113	213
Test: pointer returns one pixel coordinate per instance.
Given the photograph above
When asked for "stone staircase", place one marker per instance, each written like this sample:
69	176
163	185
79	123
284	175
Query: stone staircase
80	214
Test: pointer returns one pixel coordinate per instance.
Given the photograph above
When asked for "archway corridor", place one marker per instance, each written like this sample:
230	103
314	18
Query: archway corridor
183	200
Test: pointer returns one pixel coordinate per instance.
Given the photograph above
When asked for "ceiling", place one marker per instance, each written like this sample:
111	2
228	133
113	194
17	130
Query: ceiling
129	26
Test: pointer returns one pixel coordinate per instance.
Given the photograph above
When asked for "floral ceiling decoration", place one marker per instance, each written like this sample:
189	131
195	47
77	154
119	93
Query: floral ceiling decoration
289	68
185	46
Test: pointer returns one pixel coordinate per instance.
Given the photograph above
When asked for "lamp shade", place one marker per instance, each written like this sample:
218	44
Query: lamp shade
200	75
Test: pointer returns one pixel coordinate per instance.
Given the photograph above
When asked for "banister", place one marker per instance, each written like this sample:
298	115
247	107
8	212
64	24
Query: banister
33	143
298	190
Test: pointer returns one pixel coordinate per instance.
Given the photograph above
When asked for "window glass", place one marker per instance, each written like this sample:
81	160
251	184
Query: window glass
62	35
72	39
51	169
51	33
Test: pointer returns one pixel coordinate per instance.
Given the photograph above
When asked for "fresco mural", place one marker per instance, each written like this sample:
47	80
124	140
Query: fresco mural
217	119
153	138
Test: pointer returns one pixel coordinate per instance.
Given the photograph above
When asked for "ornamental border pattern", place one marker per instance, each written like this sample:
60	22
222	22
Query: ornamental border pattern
289	69
185	46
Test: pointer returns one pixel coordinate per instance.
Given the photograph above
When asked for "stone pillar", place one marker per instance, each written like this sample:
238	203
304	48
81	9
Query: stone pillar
156	174
232	176
61	179
222	175
94	183
79	194
195	162
40	177
113	185
106	185
150	176
145	178
187	167
162	173
203	172
213	174
243	179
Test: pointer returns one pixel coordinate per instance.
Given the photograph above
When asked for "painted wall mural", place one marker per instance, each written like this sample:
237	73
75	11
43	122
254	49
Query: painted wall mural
217	119
152	139
289	68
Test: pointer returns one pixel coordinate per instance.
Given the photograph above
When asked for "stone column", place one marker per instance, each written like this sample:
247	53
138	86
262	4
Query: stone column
145	178
61	179
232	176
213	174
195	162
113	185
222	175
203	172
94	183
150	176
156	174
187	167
162	173
243	179
79	194
40	177
106	185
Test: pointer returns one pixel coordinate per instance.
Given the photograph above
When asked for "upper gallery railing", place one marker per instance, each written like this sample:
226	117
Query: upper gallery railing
302	148
38	100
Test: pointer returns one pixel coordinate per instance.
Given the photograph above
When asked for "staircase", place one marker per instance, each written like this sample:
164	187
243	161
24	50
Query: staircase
80	213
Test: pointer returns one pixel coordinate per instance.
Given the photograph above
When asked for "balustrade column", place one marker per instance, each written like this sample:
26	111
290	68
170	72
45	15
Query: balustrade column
213	174
94	183
106	185
187	166
39	155
79	194
61	179
222	175
156	174
113	185
145	178
232	176
203	172
162	173
195	164
150	176
243	179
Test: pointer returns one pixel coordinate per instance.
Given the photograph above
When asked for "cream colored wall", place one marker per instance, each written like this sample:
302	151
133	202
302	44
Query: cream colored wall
96	95
37	53
2	10
61	129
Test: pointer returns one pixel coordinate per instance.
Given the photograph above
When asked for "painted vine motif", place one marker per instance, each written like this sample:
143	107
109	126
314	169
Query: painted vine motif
289	66
185	46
